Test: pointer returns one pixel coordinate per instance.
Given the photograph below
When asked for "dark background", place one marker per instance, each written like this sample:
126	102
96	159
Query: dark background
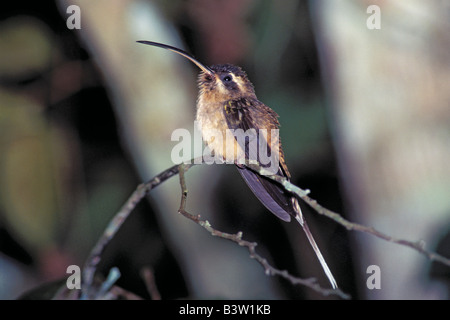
69	167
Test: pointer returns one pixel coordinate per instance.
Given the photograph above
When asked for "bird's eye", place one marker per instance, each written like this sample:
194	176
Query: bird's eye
227	79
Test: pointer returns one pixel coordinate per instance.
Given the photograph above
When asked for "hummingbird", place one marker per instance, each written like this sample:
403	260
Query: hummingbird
227	102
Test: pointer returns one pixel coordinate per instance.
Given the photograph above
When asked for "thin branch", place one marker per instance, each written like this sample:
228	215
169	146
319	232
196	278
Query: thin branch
149	280
251	246
419	246
143	189
94	258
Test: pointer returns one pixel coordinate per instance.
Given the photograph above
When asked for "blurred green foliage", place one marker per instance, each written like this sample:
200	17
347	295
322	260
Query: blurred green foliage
63	168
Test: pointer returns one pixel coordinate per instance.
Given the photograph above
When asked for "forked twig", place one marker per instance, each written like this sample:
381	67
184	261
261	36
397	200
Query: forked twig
419	246
143	189
251	246
94	258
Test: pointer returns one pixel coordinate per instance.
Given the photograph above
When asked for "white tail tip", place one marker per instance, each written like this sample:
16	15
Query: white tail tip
313	243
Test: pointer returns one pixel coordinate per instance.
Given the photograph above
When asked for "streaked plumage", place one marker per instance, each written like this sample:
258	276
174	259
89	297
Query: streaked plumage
227	101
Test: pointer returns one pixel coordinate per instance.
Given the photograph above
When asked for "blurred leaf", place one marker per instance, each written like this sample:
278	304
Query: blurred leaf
28	170
26	46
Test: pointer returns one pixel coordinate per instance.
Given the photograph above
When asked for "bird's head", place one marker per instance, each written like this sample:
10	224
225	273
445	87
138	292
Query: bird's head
218	83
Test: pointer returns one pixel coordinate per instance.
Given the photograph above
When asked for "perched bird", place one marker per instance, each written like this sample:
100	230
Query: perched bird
238	127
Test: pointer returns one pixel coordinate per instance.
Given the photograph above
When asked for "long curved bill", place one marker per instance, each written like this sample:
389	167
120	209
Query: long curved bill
179	51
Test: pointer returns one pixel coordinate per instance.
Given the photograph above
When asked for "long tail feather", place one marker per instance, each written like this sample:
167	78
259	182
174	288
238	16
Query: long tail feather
302	222
283	205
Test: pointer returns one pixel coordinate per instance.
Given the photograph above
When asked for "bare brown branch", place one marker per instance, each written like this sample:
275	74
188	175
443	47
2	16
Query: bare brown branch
149	279
251	247
419	246
143	189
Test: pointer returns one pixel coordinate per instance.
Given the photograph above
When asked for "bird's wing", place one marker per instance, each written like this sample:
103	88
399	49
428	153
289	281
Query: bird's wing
242	114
